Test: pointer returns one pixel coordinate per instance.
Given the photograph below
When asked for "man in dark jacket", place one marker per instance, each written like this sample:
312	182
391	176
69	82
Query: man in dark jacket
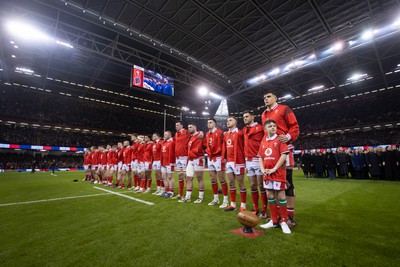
341	161
373	162
357	163
330	164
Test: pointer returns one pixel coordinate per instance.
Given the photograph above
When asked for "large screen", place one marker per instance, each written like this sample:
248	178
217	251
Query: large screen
152	81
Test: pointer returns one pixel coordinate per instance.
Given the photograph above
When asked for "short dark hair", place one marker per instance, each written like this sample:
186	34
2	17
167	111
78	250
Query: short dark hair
272	92
233	117
269	121
192	123
212	119
157	134
248	111
180	122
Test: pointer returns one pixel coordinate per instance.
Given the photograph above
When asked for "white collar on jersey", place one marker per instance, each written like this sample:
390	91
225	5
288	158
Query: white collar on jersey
168	140
253	124
234	130
273	107
271	138
213	131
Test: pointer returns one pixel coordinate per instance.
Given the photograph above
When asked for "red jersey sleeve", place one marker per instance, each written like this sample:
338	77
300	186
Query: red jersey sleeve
292	123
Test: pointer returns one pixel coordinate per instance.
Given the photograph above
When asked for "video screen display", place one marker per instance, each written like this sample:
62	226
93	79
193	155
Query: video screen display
152	81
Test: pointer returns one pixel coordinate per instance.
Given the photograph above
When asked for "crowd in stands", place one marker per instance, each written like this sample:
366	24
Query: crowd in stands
45	108
381	163
354	138
11	160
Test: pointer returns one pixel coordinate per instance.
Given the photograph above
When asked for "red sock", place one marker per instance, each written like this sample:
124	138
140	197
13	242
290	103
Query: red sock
181	185
274	211
264	201
162	183
224	188
148	182
158	182
214	188
122	185
243	194
254	197
142	182
284	213
100	177
136	180
167	190
110	179
232	192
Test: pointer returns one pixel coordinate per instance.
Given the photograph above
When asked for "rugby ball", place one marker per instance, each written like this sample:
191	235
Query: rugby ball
247	218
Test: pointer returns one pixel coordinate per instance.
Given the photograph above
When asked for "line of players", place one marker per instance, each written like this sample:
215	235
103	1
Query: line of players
232	153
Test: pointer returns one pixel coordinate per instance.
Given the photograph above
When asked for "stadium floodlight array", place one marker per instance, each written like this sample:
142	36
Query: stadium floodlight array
339	46
25	31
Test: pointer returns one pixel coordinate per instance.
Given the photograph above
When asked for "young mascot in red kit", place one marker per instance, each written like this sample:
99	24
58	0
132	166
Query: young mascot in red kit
272	156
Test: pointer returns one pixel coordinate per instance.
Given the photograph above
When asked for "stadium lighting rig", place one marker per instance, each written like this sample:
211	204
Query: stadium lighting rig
317	88
339	46
357	77
27	32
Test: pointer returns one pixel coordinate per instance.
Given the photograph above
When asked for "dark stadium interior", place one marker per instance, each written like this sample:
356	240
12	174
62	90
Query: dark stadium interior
219	44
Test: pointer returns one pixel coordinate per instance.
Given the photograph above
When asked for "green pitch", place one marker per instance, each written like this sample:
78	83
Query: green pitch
340	223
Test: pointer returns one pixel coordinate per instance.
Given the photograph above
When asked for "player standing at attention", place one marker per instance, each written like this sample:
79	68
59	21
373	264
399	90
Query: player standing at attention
253	134
195	164
233	152
148	162
216	166
101	171
112	161
272	158
135	164
167	164
140	163
157	142
95	163
120	160
288	131
86	164
126	166
181	140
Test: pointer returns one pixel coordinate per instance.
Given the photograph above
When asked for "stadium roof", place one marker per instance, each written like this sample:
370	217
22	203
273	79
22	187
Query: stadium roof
238	49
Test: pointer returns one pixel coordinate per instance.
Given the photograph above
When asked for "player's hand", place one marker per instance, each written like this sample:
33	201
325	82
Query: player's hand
283	138
201	135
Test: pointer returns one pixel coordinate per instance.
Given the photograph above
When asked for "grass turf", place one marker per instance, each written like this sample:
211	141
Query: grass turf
340	223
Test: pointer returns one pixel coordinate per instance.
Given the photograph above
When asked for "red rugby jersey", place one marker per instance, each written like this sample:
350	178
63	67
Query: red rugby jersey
181	141
127	155
120	154
148	152
140	152
110	156
95	158
233	150
270	152
168	152
135	153
253	135
157	150
195	146
214	143
87	159
285	119
102	158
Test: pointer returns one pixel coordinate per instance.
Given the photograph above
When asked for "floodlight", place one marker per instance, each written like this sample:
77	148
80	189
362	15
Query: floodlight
315	88
203	91
357	76
287	96
26	31
337	47
214	95
205	113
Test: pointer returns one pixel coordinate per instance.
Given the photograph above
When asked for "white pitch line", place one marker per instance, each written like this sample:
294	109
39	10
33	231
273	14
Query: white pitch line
50	199
122	195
